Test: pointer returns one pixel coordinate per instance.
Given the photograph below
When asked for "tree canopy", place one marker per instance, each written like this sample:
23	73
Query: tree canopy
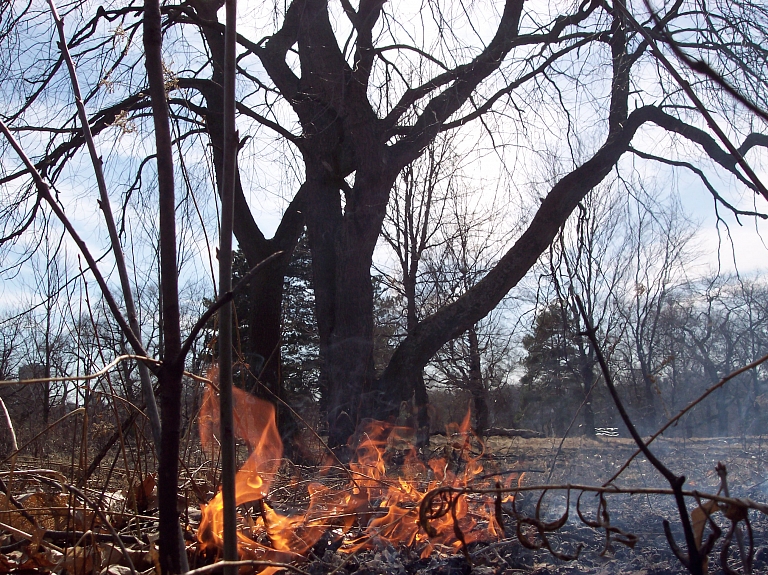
336	99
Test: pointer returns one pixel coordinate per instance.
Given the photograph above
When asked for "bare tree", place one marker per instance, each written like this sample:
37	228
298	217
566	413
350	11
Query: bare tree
466	248
713	325
588	260
412	223
658	244
358	112
357	95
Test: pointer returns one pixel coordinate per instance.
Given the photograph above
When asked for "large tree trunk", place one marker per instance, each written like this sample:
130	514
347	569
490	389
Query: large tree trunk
342	134
342	250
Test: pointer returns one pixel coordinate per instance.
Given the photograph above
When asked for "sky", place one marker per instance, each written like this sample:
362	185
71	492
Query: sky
512	170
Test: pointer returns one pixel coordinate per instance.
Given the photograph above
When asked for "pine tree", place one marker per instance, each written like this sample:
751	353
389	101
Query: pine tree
550	386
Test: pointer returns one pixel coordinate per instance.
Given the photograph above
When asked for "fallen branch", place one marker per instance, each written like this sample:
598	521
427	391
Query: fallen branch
504	432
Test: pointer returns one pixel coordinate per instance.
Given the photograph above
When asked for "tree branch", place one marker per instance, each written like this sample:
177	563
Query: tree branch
44	191
686	87
104	204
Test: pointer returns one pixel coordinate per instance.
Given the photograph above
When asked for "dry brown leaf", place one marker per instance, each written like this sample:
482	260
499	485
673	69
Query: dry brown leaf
699	520
116	504
736	513
79	560
5	564
154	554
111	554
116	570
143	494
37	558
83	519
50	510
10	515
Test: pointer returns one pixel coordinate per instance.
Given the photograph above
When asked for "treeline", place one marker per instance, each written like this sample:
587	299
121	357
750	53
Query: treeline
696	334
668	330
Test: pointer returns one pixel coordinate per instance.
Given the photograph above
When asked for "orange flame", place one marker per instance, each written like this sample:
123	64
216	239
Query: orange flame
254	421
374	505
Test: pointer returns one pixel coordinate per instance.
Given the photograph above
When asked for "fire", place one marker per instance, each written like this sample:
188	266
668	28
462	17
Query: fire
374	506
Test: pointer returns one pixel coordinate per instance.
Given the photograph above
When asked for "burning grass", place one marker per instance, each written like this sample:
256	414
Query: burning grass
378	501
393	497
395	510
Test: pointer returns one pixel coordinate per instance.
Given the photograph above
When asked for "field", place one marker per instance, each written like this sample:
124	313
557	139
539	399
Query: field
51	525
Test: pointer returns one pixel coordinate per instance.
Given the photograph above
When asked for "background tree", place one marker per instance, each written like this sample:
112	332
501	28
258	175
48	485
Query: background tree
300	341
550	383
712	325
658	245
354	114
587	261
466	247
412	223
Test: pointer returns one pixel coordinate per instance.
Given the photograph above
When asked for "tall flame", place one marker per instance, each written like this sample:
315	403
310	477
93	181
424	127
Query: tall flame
373	506
254	421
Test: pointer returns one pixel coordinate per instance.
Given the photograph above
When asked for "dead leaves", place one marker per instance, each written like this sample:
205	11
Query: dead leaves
42	514
699	518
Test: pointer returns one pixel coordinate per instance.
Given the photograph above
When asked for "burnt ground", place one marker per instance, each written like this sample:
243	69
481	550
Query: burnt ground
592	462
579	461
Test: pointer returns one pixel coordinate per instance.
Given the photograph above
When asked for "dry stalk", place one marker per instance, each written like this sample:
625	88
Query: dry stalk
14	444
693	560
442	501
96	374
114	238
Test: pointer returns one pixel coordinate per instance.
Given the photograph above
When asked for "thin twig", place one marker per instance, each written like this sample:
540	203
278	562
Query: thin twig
24	535
686	87
44	191
87	377
11	499
222	299
703	68
102	371
114	238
